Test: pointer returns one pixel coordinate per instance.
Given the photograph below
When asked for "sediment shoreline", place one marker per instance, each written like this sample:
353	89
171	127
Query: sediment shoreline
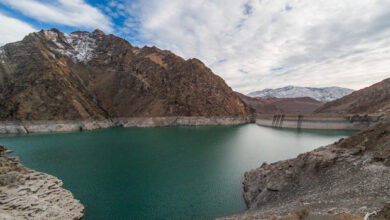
11	127
280	121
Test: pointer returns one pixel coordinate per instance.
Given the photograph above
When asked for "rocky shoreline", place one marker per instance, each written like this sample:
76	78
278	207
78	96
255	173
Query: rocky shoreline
28	194
9	127
350	177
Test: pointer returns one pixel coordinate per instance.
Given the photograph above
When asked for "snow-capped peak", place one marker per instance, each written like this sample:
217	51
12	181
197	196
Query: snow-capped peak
79	46
325	94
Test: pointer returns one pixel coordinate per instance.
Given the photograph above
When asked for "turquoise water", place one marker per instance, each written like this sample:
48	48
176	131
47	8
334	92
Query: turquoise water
161	173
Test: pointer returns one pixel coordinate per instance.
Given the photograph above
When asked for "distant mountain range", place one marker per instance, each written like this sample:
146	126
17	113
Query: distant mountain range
325	94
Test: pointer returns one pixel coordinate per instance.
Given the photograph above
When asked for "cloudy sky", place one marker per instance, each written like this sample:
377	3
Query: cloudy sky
252	44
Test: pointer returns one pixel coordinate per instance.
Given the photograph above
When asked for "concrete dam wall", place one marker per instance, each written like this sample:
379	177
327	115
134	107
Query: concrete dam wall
347	122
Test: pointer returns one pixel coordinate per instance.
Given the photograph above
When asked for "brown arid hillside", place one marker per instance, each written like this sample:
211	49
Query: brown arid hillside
272	105
373	99
50	75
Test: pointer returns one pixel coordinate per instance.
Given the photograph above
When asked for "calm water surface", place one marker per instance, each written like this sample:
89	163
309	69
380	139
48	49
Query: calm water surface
161	173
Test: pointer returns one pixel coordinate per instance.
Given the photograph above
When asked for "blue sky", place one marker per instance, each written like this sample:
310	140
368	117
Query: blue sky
112	19
252	44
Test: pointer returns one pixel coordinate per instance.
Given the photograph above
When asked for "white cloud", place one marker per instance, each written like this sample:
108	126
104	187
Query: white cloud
12	29
254	44
75	13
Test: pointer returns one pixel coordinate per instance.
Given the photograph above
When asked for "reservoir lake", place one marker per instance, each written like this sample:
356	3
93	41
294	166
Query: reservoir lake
161	173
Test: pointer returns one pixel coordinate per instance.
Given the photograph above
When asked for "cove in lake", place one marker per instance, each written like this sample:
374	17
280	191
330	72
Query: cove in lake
161	173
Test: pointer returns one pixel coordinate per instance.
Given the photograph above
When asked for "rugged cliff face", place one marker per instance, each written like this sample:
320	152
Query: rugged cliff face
50	75
373	99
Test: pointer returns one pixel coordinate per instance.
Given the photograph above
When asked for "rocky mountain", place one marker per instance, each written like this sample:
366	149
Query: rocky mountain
272	105
320	94
373	99
51	75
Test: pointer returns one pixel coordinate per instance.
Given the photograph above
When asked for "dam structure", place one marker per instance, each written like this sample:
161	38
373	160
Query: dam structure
327	122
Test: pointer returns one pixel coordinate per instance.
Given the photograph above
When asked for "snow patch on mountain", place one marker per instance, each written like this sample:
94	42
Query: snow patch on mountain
79	46
53	36
325	94
2	55
83	44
